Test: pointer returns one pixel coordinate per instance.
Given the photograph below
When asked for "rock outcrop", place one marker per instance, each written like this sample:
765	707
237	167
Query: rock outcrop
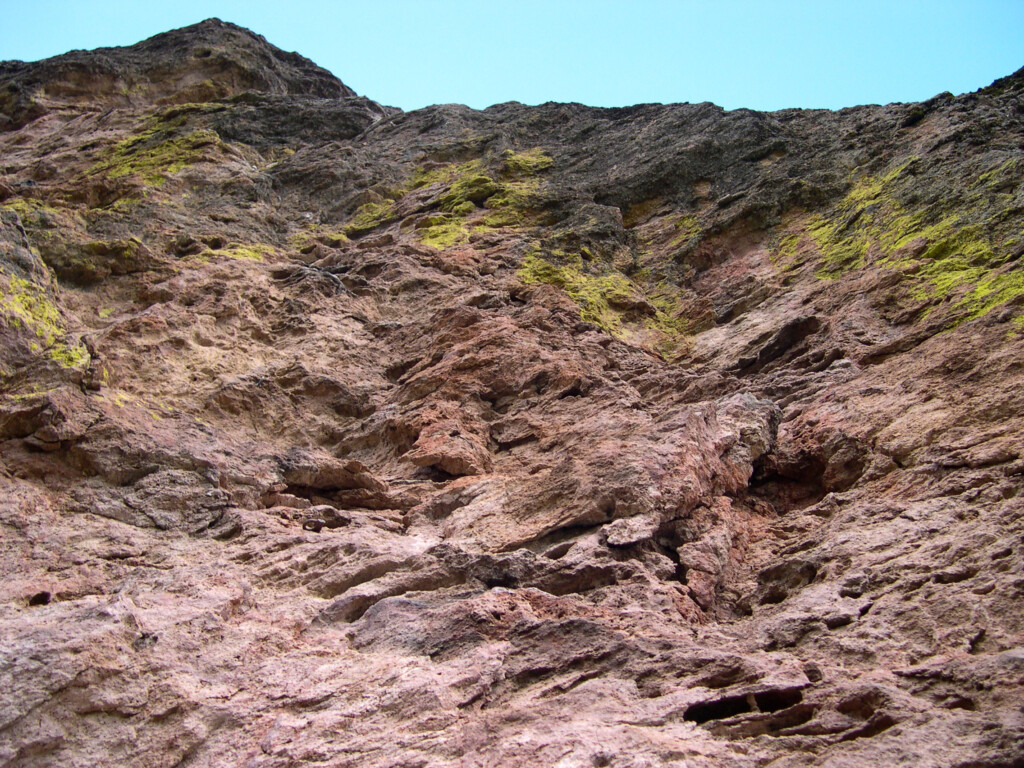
540	436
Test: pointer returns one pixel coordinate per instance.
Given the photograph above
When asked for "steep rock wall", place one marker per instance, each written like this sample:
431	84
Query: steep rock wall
532	436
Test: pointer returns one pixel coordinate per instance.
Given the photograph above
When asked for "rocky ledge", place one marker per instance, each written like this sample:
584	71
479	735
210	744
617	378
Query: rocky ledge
539	436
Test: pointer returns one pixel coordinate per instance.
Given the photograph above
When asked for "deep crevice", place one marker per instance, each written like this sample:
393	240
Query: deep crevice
771	700
719	709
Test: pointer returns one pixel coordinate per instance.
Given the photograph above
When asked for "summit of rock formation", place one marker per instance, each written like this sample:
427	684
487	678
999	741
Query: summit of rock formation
206	61
533	436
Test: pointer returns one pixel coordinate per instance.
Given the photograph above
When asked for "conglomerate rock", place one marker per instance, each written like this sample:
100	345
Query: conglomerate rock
543	436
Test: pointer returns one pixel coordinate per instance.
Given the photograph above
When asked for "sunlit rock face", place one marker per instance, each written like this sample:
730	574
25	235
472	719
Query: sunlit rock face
537	436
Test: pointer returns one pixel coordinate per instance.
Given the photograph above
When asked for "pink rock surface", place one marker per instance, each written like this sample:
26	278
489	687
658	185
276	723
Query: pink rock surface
271	495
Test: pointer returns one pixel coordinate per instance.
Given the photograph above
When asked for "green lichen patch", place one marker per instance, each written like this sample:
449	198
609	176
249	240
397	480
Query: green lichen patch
48	225
67	355
470	189
527	163
1016	327
669	317
467	189
845	237
662	234
842	251
153	154
26	305
369	216
513	204
672	323
306	239
443	231
686	228
464	208
957	249
426	175
596	294
1004	178
651	316
508	200
243	252
504	216
125	205
125	250
29	210
785	249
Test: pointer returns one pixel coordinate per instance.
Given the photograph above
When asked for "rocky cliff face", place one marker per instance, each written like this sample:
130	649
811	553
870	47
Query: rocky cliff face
533	436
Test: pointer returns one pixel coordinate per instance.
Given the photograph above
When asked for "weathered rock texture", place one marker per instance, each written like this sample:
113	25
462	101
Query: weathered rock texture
536	436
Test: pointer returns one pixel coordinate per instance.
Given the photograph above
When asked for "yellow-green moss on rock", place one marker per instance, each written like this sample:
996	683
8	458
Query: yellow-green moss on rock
956	248
443	231
242	251
25	305
472	189
28	210
653	317
527	163
686	227
369	216
152	159
595	294
508	199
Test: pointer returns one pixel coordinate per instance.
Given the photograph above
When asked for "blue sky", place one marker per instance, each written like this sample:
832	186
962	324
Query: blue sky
765	54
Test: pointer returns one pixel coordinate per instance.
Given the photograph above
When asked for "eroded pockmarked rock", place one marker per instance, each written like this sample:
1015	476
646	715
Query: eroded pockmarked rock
331	433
